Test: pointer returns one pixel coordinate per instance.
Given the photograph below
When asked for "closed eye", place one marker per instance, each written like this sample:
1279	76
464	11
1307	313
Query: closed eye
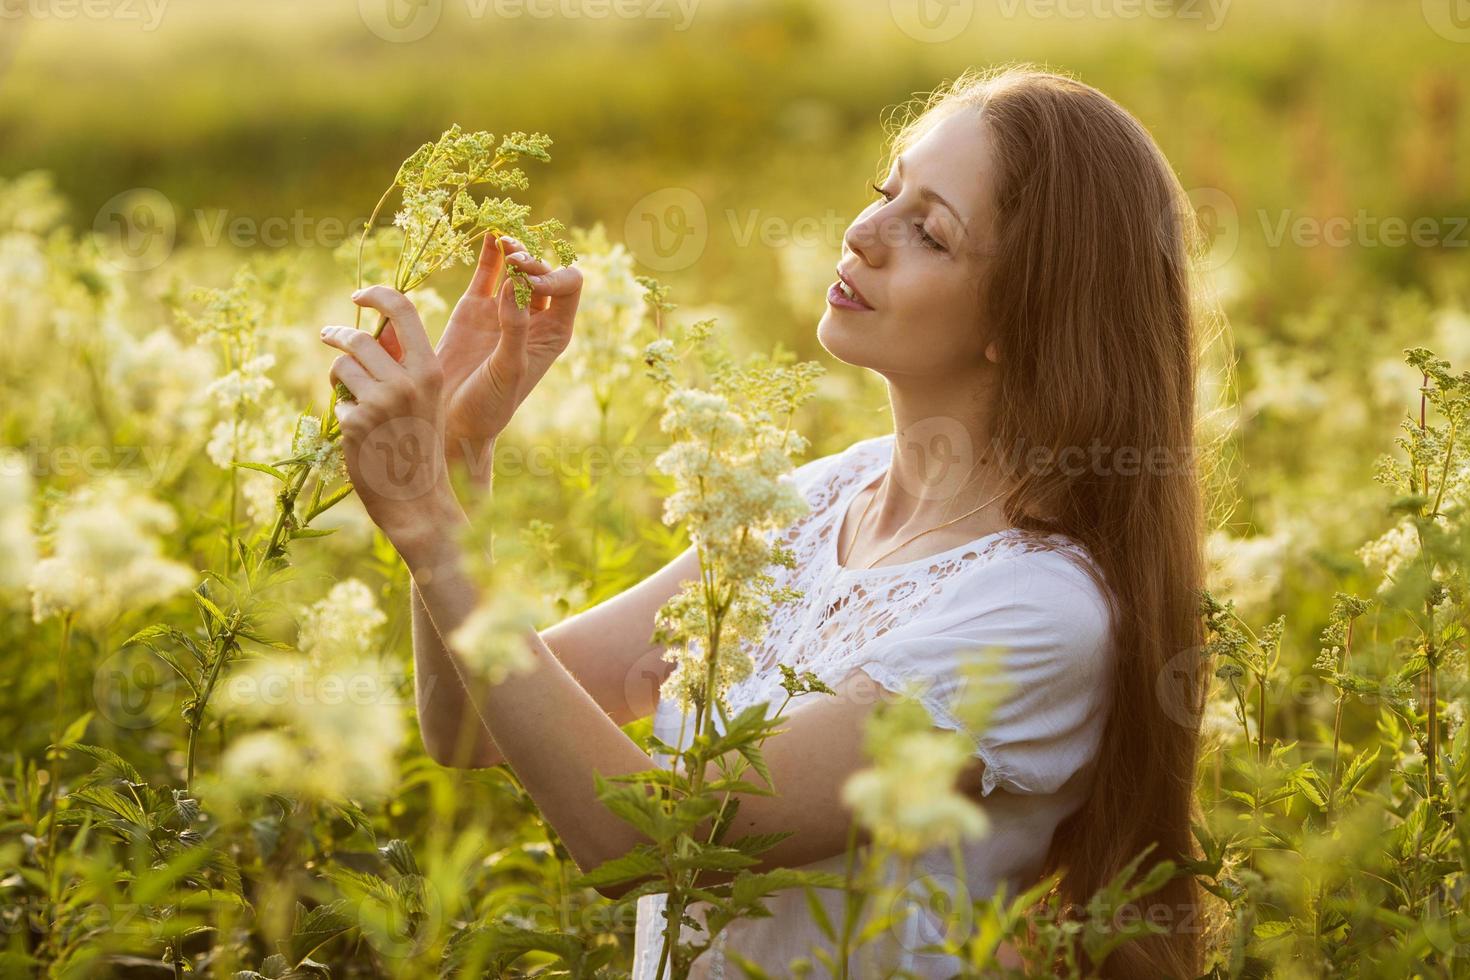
930	242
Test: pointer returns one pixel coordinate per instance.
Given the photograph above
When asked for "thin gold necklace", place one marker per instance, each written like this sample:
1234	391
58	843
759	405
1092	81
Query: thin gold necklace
869	504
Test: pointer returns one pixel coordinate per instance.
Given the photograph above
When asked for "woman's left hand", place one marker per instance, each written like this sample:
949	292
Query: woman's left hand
393	429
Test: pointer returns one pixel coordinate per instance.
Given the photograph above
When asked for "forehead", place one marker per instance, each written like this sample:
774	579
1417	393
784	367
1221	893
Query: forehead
952	158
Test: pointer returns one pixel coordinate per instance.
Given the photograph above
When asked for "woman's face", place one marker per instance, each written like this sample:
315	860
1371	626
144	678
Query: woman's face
915	257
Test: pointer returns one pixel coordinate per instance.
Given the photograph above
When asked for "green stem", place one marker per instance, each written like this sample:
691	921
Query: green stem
55	768
223	642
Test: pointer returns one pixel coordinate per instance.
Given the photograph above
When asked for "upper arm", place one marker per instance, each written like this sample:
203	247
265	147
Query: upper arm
609	648
819	746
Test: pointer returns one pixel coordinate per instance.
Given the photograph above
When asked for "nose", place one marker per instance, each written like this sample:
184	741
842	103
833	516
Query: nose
863	239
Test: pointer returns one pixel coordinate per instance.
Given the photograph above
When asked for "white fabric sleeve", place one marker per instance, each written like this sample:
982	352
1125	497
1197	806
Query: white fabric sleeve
1049	625
810	477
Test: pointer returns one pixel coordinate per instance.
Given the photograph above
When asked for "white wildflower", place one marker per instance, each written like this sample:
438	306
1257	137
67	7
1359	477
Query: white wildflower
610	314
345	624
105	556
245	385
1248	570
163	381
334	731
492	639
908	799
322	454
1389	553
17	543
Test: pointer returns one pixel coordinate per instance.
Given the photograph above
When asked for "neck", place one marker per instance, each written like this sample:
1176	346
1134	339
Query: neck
943	464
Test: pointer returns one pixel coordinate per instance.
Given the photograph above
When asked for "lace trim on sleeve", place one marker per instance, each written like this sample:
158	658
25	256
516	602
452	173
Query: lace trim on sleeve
900	681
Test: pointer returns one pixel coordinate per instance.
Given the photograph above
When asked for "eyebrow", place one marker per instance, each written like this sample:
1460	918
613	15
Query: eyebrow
929	194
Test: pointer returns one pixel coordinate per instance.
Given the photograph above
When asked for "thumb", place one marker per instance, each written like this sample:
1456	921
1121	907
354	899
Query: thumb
508	361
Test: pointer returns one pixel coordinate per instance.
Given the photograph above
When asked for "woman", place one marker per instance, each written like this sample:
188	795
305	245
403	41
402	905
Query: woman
1021	281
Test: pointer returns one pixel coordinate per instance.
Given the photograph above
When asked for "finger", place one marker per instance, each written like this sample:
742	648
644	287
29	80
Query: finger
564	282
509	356
345	411
528	263
389	339
487	270
348	370
560	291
361	345
418	353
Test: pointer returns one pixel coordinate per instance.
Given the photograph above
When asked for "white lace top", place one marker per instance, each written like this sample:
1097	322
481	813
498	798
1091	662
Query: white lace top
910	623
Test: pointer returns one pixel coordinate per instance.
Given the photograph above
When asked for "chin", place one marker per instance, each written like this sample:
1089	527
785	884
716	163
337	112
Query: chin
838	336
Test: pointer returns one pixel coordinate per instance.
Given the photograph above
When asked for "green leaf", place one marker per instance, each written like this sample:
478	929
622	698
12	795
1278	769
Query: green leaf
312	532
640	862
209	607
76	729
314	928
757	843
1359	768
110	801
1307	783
714	858
400	857
267	469
111	763
819	914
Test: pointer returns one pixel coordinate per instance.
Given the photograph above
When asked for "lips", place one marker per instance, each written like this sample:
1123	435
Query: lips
857	293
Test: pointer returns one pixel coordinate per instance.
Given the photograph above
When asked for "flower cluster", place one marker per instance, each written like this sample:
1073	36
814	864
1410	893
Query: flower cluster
329	732
104	556
343	626
729	453
439	220
17	543
610	316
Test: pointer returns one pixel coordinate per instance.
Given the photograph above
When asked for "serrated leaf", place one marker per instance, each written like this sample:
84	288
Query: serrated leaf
314	928
209	607
265	468
640	862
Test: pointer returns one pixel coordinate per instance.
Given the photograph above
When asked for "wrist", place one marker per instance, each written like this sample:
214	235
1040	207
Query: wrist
477	463
432	540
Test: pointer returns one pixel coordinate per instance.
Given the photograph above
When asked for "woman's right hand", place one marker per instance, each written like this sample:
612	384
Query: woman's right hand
493	353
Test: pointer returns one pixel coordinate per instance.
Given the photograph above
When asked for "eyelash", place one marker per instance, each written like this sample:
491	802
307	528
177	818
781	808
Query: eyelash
930	242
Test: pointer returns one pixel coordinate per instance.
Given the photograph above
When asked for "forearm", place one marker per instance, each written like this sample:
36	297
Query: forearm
546	725
450	728
451	731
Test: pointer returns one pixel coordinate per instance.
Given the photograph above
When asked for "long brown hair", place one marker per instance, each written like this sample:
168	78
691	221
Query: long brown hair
1089	296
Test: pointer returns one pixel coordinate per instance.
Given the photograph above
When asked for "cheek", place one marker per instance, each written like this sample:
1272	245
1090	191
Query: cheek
939	305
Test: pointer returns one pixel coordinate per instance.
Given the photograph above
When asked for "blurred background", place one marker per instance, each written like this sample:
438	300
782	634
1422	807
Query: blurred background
729	143
148	147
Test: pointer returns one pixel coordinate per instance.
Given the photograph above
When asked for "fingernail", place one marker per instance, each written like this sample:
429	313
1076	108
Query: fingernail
538	280
326	330
358	293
